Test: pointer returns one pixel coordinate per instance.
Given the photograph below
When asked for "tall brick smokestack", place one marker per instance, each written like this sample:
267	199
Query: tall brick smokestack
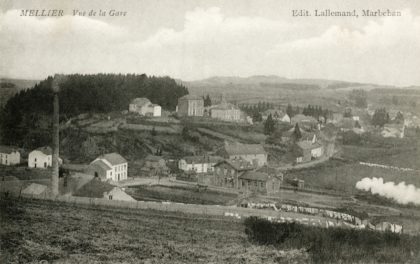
56	138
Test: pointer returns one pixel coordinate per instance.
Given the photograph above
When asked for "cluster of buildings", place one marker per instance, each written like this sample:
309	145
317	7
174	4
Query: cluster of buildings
242	167
193	106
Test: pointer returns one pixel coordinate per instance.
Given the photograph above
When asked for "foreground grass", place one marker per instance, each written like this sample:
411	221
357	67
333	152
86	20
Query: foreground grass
336	245
32	231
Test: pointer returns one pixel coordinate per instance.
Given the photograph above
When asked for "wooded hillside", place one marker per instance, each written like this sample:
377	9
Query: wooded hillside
25	121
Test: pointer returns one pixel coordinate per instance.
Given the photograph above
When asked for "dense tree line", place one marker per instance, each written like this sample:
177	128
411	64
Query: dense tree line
316	111
256	110
28	111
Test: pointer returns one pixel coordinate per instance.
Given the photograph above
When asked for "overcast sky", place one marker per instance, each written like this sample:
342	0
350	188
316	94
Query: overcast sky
190	39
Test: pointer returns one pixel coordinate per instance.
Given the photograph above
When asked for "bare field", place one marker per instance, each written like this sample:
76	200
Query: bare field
41	230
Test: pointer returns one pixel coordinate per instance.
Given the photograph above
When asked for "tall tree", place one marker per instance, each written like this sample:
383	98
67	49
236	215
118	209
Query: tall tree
269	125
380	117
289	111
297	134
207	101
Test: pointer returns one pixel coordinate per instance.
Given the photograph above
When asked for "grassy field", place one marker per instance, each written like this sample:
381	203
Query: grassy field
180	194
40	230
63	233
343	176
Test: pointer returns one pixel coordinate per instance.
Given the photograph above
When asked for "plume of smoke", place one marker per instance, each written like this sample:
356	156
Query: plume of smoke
402	193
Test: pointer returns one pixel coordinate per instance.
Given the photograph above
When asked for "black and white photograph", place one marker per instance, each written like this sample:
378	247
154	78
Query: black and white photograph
209	131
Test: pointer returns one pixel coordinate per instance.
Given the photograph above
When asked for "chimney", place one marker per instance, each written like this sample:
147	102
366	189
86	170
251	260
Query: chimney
56	138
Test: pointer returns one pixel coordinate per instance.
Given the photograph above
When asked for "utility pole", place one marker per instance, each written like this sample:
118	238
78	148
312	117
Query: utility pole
56	138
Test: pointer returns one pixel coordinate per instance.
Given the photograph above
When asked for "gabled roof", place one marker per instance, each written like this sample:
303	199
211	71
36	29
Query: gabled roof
45	150
94	189
113	158
305	144
191	97
7	149
244	149
254	176
140	101
101	165
237	164
202	159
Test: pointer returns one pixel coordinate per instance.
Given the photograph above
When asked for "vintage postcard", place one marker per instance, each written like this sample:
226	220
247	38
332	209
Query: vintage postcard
209	131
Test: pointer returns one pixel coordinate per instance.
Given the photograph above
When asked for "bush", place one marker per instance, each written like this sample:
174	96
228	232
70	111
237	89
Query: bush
335	245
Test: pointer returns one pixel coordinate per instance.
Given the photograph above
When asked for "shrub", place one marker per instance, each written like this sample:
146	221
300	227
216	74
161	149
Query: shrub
335	245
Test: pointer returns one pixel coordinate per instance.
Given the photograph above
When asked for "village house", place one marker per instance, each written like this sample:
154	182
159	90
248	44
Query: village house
253	153
99	189
198	164
41	158
110	166
190	105
258	182
154	165
336	118
226	112
288	136
9	156
306	151
226	172
144	107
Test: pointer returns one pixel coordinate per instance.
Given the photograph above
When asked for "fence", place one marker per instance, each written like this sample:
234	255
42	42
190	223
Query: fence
208	210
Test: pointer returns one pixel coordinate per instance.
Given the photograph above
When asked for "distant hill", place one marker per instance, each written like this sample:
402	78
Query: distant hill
270	84
9	87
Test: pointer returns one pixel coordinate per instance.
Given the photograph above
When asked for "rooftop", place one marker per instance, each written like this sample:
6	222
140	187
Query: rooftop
202	159
46	150
305	144
94	189
244	149
101	165
113	158
140	101
238	164
7	149
254	175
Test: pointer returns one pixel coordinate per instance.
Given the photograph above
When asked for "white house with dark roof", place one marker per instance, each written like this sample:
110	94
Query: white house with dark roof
9	156
112	165
198	164
253	153
41	158
143	106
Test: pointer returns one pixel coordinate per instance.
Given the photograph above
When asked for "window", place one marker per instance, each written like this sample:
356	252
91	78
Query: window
35	159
